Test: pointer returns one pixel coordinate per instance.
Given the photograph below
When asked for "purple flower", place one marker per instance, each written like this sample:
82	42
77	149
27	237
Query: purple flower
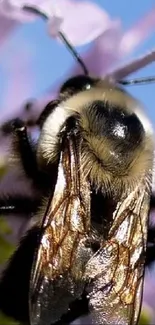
110	45
94	21
113	46
20	80
63	16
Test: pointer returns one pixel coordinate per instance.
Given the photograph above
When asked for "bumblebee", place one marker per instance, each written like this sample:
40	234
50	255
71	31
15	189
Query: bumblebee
93	166
87	248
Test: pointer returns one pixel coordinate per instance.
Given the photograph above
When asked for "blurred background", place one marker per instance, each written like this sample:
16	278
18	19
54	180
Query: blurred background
32	67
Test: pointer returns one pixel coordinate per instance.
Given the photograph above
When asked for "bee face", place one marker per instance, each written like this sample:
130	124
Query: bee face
117	137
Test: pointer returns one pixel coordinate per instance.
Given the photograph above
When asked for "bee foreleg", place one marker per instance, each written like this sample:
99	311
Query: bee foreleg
27	154
18	205
23	145
14	283
150	253
152	202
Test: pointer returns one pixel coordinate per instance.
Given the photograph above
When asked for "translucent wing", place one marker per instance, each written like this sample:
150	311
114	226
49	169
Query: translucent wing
116	272
59	265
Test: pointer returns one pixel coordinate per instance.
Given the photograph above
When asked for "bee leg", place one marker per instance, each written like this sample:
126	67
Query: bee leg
152	202
25	149
6	127
18	205
150	255
151	235
15	279
150	252
27	154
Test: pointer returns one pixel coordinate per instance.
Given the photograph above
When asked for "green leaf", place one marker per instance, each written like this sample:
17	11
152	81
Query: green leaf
4	320
6	249
4	227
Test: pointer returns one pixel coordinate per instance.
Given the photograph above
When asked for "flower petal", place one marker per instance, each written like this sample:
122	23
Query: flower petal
6	27
19	74
138	33
133	66
54	26
13	10
83	21
80	21
102	55
110	47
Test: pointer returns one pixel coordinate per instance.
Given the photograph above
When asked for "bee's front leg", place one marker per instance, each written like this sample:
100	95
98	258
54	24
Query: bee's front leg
15	280
24	148
18	205
150	252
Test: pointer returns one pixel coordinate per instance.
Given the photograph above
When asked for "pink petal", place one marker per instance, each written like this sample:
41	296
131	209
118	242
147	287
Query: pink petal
138	33
64	16
80	21
102	55
109	48
54	26
20	82
133	66
6	28
83	21
12	9
11	17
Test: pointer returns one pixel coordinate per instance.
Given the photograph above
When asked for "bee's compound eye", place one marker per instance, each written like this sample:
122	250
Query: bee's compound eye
76	84
118	125
118	135
126	128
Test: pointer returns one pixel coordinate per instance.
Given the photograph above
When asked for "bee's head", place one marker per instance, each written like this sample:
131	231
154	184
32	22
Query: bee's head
117	137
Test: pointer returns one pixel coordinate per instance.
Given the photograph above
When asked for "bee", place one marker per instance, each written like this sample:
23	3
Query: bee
87	248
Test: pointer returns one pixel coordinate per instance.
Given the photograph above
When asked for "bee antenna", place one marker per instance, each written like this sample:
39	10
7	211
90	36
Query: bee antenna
62	37
36	11
138	81
74	53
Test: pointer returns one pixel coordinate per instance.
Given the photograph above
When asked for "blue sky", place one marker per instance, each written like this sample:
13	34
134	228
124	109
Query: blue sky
51	60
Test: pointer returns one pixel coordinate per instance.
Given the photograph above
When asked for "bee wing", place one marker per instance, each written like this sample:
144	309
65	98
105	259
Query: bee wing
61	257
116	272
